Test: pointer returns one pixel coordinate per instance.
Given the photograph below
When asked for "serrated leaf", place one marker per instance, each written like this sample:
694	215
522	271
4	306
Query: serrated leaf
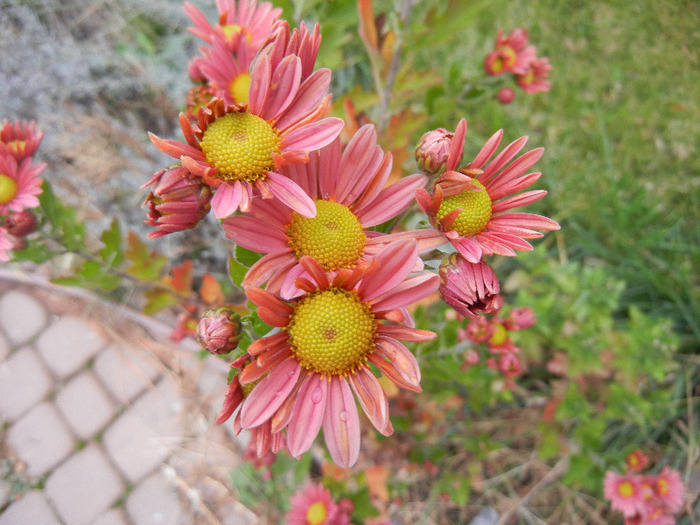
145	264
63	220
35	252
112	253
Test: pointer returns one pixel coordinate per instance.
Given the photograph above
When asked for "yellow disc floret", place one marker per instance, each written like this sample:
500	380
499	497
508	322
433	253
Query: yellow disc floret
317	513
331	331
240	146
334	237
476	210
239	88
8	189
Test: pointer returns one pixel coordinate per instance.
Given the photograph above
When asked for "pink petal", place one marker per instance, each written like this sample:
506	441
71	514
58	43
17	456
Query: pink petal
259	84
311	93
269	394
263	270
525	220
487	151
313	136
288	192
309	410
397	363
372	399
341	424
391	201
408	292
428	239
395	262
467	247
252	234
406	333
360	161
521	199
456	146
283	88
226	199
503	158
329	165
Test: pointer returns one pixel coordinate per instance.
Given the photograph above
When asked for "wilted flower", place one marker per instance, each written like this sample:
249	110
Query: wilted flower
350	193
469	288
471	207
313	505
219	331
433	149
320	356
20	183
21	223
20	139
178	201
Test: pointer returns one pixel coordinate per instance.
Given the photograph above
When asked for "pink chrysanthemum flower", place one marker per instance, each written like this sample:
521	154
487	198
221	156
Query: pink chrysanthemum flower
624	492
241	22
20	183
328	338
6	245
21	138
508	54
313	505
637	460
238	148
471	208
470	288
262	439
668	488
533	79
349	192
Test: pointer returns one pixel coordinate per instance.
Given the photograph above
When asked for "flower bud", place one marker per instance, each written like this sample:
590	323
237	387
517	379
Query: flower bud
433	149
506	95
469	288
219	331
178	201
21	223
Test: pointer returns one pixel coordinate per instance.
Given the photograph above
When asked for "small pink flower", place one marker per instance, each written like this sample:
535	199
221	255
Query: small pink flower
533	79
509	365
507	55
178	201
350	194
20	184
320	356
20	139
432	150
637	460
471	207
668	487
478	330
472	357
519	319
470	288
624	491
314	505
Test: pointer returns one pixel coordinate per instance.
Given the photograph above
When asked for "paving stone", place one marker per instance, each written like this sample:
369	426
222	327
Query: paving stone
154	501
41	439
4	347
125	372
68	344
145	435
24	382
85	405
84	486
111	517
21	316
32	509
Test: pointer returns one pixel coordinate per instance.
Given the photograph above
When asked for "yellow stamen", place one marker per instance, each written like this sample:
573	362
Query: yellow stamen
476	210
240	87
316	514
8	189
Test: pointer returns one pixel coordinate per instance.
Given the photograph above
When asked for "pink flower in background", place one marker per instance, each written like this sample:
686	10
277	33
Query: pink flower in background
637	460
624	492
237	149
20	139
177	202
20	184
320	356
470	288
519	319
508	53
241	22
533	79
6	245
350	194
314	505
471	207
668	488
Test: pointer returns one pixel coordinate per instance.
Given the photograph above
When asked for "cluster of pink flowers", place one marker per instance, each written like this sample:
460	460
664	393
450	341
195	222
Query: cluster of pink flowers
512	54
493	332
314	505
644	499
20	184
260	152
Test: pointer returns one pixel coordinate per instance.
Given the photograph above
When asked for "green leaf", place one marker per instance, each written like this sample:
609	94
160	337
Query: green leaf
63	220
112	253
246	257
36	252
236	271
145	264
158	300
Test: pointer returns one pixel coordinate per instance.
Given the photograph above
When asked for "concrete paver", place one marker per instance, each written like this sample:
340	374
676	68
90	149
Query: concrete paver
111	517
41	439
32	509
4	347
153	502
67	345
84	486
21	316
124	372
24	381
85	405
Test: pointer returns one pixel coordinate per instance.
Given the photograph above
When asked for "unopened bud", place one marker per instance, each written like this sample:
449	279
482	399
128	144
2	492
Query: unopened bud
219	331
21	223
506	95
433	149
469	288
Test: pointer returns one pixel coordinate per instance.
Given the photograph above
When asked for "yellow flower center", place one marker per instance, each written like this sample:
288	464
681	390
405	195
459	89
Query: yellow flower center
331	331
500	334
233	29
625	489
334	237
239	88
476	210
16	146
240	146
316	514
8	189
662	485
